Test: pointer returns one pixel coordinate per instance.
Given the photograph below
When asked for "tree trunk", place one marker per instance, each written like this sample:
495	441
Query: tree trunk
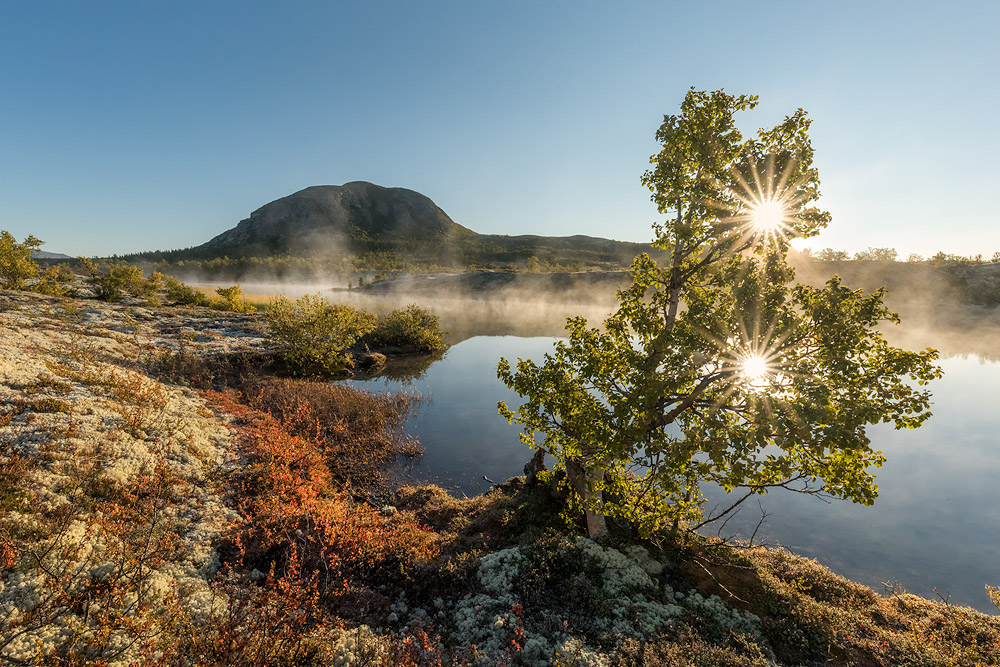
582	478
533	467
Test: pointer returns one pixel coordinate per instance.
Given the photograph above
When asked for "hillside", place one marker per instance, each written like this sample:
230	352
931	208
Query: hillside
330	223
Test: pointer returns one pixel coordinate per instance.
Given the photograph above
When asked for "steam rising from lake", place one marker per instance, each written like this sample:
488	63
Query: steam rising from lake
931	312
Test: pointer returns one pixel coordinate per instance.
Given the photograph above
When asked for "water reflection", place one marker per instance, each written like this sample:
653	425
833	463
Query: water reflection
464	436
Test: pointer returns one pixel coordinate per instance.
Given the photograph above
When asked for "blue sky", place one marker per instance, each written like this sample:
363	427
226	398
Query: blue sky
129	126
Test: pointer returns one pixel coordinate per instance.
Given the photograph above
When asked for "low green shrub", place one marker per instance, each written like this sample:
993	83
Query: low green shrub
313	335
231	300
178	292
56	281
16	262
410	328
113	282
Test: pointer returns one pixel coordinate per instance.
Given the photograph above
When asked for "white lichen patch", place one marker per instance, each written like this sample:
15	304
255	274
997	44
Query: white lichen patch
618	595
88	428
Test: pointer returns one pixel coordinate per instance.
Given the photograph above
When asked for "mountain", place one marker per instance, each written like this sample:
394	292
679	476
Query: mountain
45	254
326	218
360	218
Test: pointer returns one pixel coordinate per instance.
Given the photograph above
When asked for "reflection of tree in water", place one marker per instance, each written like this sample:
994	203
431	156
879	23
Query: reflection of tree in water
404	368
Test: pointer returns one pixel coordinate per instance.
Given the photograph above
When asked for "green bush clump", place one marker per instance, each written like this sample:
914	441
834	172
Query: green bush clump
410	328
178	292
313	335
16	263
56	281
231	300
116	280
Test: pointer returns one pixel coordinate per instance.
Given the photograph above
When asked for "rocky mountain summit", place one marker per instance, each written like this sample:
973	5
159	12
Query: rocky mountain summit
388	227
324	217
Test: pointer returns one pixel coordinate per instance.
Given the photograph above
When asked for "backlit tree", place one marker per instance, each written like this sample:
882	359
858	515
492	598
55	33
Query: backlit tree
717	367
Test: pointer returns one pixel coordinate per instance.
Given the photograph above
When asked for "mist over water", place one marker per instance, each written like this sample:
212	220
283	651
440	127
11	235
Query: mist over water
934	525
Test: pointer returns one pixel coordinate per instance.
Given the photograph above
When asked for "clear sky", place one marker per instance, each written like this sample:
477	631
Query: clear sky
129	126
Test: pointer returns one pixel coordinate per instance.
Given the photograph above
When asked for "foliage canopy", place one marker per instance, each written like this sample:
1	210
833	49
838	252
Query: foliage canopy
113	281
178	292
716	367
231	299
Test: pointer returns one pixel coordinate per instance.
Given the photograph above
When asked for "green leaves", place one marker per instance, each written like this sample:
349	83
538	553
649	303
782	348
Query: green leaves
312	334
16	263
661	399
410	328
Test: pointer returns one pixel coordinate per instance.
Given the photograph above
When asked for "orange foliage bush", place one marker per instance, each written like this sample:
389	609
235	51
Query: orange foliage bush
359	432
291	505
106	595
246	622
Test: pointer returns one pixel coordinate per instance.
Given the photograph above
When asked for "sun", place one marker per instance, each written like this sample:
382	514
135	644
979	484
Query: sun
755	368
758	376
768	216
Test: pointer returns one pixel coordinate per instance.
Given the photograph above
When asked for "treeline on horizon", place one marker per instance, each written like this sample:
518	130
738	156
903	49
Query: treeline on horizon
523	257
575	253
957	277
891	255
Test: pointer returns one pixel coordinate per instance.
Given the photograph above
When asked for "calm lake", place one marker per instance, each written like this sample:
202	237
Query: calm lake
935	524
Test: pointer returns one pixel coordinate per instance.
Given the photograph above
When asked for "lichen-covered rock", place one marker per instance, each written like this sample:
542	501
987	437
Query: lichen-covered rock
125	476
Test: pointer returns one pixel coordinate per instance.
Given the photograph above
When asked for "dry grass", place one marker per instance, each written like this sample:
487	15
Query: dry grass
251	299
811	615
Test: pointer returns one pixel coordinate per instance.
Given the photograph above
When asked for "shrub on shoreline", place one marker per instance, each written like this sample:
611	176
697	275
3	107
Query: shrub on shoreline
361	431
410	328
313	335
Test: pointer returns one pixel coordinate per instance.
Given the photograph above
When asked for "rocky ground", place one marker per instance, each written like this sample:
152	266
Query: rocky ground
79	415
148	518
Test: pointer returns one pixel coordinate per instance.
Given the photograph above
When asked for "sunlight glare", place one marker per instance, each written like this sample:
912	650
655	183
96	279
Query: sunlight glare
767	216
755	368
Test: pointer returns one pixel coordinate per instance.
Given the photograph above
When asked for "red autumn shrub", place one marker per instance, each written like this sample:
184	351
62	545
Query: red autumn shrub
290	504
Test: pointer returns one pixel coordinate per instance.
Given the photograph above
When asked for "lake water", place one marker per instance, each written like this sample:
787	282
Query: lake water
935	524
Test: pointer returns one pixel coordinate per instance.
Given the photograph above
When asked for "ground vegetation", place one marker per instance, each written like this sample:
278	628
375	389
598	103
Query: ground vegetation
409	329
313	335
164	500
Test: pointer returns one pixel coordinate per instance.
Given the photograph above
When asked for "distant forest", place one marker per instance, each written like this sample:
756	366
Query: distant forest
520	253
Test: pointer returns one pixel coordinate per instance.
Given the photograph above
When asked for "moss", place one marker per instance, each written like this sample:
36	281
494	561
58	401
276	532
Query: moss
51	405
47	385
